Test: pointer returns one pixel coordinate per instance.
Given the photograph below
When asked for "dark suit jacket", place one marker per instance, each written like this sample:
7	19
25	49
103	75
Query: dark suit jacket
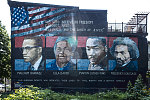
101	66
131	66
40	67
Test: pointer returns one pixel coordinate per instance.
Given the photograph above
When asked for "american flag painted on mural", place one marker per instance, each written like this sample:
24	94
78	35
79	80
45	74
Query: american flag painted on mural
38	21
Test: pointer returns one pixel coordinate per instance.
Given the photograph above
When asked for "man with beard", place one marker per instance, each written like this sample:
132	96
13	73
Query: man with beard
125	51
96	51
32	52
63	49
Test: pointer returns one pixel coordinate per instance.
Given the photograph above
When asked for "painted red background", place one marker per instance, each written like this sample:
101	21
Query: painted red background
19	41
113	38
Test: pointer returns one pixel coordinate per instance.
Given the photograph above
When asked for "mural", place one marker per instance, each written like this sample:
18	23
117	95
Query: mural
65	47
96	50
126	53
31	50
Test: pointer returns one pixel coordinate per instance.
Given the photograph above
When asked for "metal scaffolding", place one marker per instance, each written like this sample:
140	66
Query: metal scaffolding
137	24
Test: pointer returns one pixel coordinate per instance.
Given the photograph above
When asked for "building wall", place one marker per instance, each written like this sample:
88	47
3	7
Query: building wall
148	55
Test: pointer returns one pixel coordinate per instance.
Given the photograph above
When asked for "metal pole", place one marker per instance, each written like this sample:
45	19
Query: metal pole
115	25
111	28
146	23
5	78
137	23
5	84
132	29
122	27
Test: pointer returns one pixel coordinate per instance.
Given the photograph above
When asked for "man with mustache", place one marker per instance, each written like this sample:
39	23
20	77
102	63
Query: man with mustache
125	51
63	49
97	53
32	52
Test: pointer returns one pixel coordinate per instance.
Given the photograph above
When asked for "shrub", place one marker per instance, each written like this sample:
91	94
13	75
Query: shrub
26	94
136	92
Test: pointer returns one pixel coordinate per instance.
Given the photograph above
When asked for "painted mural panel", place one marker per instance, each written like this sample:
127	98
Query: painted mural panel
64	47
95	50
125	52
31	49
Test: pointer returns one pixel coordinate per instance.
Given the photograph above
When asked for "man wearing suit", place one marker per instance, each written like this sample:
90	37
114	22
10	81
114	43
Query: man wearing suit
125	52
32	52
97	53
63	50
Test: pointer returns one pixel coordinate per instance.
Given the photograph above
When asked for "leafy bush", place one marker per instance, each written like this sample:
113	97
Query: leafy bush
35	93
26	94
115	95
136	92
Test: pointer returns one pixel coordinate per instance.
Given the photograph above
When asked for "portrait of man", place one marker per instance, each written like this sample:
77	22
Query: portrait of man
32	52
63	50
125	52
96	50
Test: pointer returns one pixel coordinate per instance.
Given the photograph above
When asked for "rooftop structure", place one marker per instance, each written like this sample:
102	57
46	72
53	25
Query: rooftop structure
137	24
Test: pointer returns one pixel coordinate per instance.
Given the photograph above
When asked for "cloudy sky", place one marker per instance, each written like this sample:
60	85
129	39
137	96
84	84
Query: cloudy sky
118	10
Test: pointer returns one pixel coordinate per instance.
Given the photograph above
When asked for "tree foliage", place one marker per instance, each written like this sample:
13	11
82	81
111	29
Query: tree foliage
138	91
5	53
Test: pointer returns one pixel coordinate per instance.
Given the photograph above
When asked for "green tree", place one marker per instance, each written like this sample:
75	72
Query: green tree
5	53
138	91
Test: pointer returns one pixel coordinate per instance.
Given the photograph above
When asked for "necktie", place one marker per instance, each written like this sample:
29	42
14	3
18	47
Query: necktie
32	68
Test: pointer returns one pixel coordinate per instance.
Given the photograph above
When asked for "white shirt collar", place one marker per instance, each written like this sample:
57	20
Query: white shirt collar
36	65
59	68
125	63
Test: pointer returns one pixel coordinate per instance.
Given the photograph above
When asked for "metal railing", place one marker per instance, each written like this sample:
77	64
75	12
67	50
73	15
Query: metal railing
125	28
137	24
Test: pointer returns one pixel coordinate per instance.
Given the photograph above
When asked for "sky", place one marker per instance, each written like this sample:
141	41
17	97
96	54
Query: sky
117	10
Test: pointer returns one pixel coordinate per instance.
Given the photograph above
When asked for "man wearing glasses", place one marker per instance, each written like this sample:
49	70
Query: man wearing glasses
63	50
32	52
